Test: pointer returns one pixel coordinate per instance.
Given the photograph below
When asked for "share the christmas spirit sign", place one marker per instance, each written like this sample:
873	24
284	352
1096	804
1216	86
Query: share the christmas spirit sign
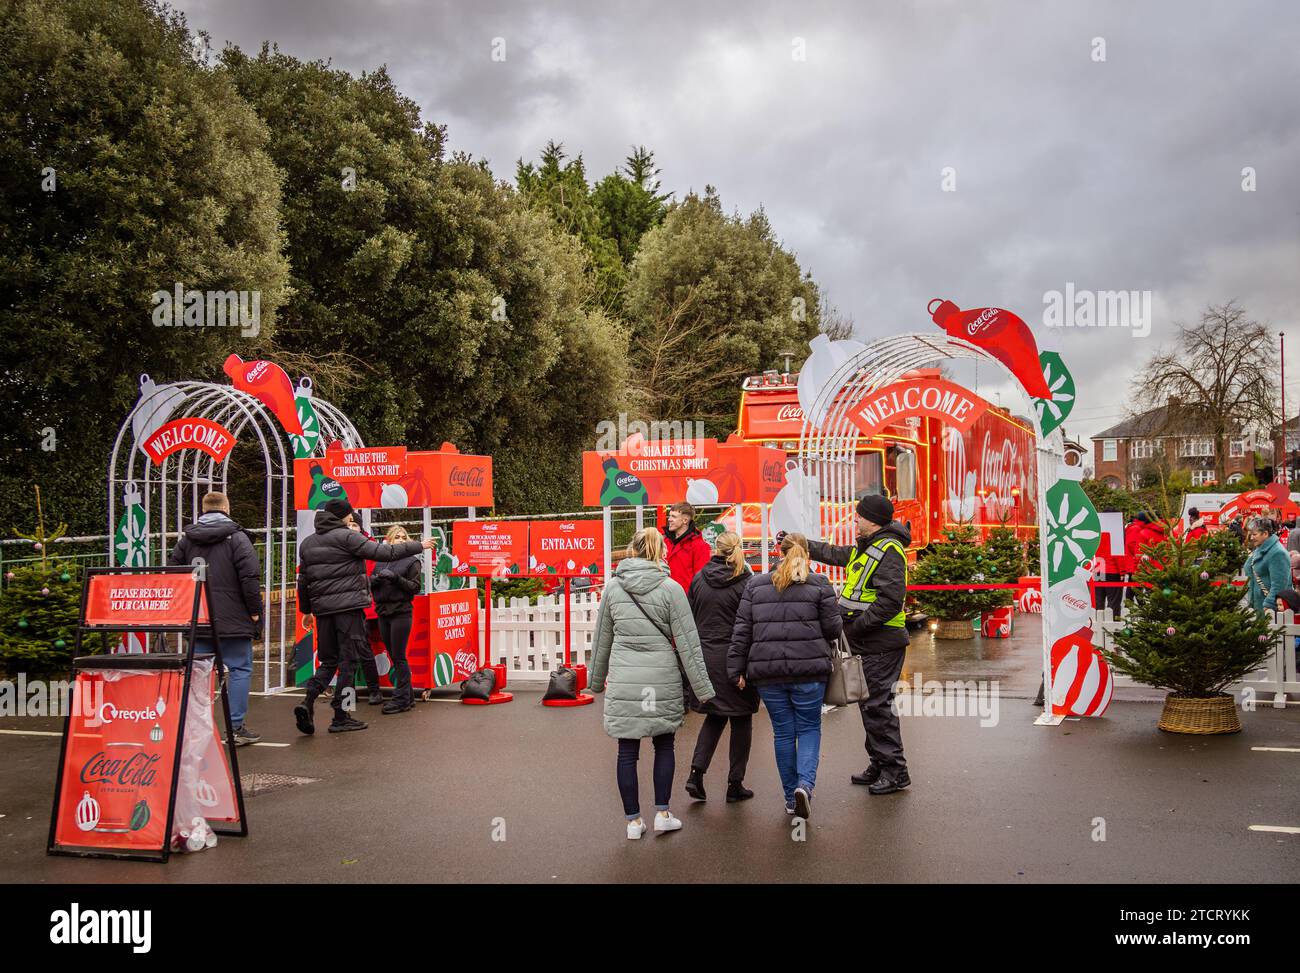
189	433
394	477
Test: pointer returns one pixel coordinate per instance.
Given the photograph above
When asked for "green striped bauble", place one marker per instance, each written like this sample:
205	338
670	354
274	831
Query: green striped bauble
443	669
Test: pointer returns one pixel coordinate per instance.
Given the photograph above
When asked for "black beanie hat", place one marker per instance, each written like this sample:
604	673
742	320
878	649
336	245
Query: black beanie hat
876	509
339	507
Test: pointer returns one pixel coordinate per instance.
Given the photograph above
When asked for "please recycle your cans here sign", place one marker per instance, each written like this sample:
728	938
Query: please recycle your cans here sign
499	548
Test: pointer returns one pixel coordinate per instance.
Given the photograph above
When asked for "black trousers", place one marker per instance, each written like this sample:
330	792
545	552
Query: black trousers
340	642
369	668
1112	598
665	765
884	735
742	735
396	629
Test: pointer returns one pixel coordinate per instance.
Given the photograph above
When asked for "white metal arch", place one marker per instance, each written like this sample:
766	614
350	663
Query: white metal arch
827	451
167	483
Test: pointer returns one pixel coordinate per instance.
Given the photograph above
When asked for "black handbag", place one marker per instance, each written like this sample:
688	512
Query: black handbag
563	685
479	685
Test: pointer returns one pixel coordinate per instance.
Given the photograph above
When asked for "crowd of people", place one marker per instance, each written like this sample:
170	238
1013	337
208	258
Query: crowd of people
685	626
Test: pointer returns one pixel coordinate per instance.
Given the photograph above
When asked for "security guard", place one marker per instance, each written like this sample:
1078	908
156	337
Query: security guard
875	584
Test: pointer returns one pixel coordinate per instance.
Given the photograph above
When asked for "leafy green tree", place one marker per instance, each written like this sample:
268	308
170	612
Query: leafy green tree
710	299
463	312
39	607
128	167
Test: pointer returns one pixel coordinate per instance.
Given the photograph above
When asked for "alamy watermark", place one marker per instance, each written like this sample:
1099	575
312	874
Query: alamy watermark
953	697
1074	308
41	697
638	436
182	307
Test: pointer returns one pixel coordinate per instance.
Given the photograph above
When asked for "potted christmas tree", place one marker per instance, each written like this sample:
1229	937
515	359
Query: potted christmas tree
40	604
960	559
1191	637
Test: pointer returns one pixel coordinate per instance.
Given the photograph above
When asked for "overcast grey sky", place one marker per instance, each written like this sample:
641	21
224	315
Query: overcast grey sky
1122	174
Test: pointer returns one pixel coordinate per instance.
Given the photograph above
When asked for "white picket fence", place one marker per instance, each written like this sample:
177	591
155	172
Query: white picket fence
529	639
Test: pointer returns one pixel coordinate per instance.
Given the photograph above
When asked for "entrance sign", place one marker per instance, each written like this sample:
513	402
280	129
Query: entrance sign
189	433
950	404
566	547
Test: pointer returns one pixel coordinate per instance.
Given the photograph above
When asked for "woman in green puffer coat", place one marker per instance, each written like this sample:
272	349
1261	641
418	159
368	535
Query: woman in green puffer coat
644	624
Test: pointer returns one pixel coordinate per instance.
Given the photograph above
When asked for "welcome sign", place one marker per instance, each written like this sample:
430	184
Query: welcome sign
950	404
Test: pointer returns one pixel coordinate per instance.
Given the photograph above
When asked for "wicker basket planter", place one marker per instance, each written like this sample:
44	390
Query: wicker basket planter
1201	715
954	628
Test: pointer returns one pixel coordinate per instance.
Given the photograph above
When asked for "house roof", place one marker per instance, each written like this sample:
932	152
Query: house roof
1156	423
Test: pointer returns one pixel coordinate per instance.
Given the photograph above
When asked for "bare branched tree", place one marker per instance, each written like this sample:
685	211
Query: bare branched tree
834	323
1218	380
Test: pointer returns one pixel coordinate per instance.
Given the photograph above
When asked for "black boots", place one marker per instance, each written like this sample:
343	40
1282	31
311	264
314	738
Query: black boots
887	784
695	784
302	715
868	776
736	791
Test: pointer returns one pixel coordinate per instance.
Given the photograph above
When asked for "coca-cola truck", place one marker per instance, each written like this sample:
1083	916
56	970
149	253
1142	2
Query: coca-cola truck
936	475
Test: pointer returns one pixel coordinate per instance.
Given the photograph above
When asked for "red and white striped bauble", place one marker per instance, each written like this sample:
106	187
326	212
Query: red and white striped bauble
205	793
1081	680
87	812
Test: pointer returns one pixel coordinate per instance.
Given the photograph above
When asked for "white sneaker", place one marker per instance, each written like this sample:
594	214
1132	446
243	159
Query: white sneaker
664	821
635	829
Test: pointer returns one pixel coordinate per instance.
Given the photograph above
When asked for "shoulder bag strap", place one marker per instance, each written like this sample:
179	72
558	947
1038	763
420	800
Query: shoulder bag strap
650	619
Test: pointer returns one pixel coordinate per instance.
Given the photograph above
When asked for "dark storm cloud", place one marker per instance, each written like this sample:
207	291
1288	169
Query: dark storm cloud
1124	174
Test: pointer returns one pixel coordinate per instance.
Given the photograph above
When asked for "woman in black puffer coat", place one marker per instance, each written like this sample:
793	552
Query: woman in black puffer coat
785	627
394	586
715	596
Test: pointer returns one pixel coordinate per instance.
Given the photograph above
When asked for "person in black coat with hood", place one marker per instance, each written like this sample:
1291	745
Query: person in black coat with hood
332	585
714	595
234	588
785	626
394	586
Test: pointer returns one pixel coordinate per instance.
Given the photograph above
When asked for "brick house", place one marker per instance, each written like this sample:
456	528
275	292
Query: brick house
1122	453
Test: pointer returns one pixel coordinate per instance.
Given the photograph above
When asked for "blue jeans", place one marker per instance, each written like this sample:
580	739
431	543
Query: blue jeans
237	656
796	712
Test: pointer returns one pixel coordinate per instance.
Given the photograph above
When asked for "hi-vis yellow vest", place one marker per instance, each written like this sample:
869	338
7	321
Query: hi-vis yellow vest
857	592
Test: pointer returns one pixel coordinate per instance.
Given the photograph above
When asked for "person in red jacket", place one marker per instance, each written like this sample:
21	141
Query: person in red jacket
1132	555
688	551
1153	532
1195	524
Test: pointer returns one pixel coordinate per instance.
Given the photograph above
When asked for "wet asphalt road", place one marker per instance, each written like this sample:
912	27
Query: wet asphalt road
420	796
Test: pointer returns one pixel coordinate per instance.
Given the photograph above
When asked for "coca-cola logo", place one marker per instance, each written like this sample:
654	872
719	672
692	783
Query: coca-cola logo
774	472
108	713
983	322
471	477
466	661
1075	602
789	413
256	371
1000	471
627	482
136	770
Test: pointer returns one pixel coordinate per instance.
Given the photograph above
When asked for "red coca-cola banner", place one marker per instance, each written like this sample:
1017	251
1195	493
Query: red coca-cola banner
999	332
119	762
950	404
189	433
393	477
142	599
490	547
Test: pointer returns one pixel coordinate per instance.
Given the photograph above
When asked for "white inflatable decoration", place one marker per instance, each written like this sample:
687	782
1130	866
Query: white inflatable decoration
701	493
816	389
153	408
796	508
392	495
1069	603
